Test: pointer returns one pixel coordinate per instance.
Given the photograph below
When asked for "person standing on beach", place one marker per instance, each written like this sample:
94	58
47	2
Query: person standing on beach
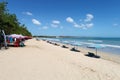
1	39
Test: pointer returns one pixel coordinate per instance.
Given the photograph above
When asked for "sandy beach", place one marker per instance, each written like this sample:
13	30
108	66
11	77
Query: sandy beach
39	60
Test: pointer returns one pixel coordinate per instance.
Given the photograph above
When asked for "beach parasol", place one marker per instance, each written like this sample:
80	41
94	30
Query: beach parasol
16	36
95	46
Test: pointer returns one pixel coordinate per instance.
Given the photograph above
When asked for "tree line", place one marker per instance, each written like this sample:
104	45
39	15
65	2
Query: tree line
9	22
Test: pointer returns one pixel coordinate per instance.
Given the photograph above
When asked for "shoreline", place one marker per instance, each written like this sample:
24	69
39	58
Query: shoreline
104	55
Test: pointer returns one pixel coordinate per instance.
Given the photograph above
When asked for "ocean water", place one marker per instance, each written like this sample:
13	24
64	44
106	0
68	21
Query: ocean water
109	45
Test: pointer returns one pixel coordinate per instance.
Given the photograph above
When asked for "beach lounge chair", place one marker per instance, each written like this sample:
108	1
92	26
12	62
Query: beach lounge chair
73	49
63	46
56	44
90	54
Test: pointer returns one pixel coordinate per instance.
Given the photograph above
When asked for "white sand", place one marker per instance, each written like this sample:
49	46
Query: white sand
42	61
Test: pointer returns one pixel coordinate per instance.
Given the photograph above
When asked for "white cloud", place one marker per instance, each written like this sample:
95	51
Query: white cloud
89	18
45	27
54	25
70	20
89	25
56	22
84	24
36	22
28	13
77	25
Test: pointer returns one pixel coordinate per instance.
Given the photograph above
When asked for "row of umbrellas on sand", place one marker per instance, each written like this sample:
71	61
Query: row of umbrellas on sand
92	46
19	36
16	36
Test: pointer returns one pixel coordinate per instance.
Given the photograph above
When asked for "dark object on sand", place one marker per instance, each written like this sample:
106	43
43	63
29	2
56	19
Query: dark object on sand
49	42
90	54
56	44
73	49
63	46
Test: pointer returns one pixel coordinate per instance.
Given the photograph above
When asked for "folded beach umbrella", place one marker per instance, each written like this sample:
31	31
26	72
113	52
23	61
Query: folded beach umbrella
95	46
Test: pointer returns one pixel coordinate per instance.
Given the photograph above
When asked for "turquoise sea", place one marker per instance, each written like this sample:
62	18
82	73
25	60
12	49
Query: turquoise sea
110	45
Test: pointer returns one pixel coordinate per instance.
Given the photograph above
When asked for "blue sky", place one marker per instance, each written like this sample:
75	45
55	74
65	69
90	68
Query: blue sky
99	18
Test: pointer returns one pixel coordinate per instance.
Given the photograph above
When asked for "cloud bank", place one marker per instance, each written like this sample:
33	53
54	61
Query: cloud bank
84	24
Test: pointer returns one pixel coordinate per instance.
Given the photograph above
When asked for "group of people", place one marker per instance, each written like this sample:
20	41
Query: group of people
6	41
15	41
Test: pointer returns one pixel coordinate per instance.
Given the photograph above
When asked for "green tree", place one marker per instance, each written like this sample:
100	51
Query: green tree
9	22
